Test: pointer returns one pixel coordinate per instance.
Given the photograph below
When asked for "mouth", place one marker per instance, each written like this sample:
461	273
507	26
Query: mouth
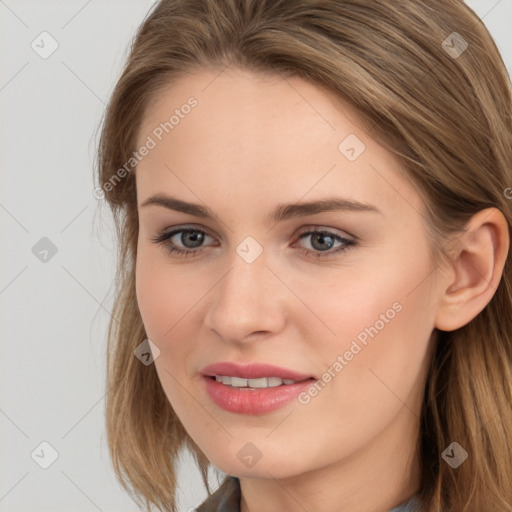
250	400
254	388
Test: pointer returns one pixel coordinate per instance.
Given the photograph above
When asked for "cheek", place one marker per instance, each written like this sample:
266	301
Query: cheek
166	297
164	293
383	321
152	295
383	295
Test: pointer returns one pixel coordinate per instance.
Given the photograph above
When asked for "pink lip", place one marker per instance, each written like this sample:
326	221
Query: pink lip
252	401
252	371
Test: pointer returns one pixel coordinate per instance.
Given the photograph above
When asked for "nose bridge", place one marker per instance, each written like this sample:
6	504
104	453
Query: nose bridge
245	281
246	298
246	286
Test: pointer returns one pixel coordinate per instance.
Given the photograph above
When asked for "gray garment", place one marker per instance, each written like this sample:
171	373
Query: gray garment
227	499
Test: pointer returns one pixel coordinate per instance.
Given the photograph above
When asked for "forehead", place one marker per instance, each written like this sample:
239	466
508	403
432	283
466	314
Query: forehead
272	135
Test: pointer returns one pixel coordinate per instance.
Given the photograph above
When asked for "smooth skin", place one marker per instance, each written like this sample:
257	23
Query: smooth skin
251	143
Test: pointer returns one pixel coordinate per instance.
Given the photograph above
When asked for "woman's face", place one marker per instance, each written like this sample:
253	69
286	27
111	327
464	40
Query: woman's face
352	307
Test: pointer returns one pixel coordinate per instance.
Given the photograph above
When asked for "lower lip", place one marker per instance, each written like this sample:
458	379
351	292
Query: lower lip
253	401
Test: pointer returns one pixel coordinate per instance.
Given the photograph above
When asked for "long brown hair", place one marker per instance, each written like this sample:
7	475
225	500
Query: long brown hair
430	85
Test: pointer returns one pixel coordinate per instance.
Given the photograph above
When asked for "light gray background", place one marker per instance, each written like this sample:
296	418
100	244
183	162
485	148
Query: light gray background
54	314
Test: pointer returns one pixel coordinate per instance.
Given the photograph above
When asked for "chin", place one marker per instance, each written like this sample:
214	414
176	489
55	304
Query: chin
270	468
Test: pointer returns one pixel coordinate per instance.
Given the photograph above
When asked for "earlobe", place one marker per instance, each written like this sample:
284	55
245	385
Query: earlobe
475	271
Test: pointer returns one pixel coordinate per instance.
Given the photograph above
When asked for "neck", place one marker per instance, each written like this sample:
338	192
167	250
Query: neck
377	478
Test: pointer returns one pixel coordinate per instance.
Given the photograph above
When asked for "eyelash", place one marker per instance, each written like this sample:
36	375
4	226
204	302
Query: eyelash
164	239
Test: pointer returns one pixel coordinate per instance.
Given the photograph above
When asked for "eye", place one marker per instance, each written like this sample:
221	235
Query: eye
191	238
323	241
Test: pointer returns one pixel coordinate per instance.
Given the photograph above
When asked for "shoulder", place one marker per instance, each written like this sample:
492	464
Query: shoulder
411	505
225	499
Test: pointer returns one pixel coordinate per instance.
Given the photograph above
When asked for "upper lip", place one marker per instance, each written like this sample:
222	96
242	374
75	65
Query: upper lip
252	371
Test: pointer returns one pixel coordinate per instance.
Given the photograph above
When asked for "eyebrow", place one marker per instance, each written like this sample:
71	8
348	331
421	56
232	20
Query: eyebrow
280	213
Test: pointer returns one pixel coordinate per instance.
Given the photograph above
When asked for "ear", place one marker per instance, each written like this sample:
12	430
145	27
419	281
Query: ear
475	271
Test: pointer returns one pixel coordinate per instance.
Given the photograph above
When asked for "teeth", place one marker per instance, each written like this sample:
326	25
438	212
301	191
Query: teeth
263	382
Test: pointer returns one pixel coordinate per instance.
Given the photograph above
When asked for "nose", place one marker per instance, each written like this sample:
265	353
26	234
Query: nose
248	303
